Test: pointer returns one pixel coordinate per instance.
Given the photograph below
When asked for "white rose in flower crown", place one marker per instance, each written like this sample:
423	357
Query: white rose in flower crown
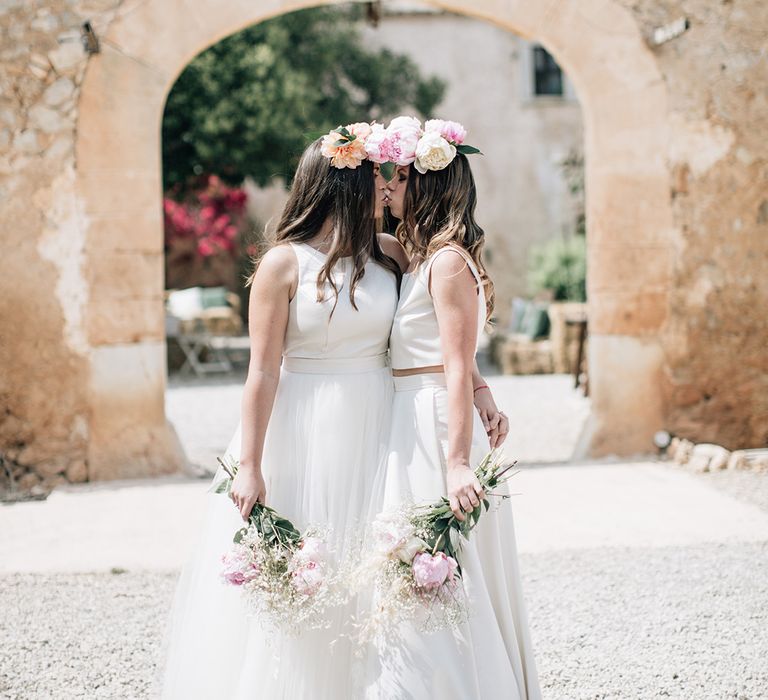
433	152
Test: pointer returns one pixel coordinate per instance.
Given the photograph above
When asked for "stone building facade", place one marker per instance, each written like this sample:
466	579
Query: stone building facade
677	166
523	196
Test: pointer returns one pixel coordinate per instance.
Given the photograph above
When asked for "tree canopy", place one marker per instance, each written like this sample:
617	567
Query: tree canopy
248	105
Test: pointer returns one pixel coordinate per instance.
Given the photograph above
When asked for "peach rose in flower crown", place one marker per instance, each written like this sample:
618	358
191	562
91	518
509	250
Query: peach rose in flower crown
345	146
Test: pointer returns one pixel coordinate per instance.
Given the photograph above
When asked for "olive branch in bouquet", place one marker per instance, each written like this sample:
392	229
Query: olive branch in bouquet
275	529
442	529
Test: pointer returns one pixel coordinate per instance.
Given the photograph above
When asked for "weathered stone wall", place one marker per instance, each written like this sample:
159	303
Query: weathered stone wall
715	379
677	165
44	411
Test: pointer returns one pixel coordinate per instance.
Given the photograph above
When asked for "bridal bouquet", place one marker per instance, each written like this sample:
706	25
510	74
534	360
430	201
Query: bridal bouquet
287	577
414	560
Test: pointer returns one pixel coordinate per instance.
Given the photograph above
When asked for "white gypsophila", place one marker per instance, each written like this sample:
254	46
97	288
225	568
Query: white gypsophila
433	152
273	596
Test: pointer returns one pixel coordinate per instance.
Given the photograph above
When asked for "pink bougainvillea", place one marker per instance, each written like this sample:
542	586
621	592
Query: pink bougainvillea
210	219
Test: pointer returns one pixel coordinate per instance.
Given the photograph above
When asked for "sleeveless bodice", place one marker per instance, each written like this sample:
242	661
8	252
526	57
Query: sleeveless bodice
313	332
415	338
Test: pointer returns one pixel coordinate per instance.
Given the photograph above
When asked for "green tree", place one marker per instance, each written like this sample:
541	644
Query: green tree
560	265
247	105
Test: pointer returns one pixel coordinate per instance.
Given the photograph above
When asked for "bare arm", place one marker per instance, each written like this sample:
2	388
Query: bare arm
495	422
455	298
271	292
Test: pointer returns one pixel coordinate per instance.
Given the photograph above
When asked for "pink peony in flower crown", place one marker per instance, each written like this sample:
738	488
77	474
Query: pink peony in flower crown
403	142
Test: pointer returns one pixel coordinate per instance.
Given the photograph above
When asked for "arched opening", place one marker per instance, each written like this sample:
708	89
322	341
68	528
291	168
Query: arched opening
118	155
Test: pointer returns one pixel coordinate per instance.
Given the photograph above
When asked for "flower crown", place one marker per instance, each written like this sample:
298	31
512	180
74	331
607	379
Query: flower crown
404	141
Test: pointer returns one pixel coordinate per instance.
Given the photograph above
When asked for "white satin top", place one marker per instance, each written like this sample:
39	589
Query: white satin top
314	333
415	338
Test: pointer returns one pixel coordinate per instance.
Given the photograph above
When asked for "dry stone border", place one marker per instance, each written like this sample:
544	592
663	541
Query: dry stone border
708	457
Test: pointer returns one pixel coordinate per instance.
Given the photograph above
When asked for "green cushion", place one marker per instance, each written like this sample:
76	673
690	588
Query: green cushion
535	323
519	307
212	297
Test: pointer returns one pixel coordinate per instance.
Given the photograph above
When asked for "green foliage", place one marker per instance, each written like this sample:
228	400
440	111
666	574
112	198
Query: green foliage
245	106
438	524
573	172
560	265
275	530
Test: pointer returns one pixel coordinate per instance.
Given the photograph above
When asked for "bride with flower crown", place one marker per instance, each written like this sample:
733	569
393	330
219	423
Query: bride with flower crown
436	439
315	422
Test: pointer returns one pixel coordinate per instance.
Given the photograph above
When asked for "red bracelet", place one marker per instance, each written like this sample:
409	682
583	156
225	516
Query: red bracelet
482	386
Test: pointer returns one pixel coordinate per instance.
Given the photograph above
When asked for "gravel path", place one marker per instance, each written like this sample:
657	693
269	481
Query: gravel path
615	623
546	415
747	486
688	623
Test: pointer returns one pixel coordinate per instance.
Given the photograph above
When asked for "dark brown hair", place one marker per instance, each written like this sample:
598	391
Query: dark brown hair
346	196
439	210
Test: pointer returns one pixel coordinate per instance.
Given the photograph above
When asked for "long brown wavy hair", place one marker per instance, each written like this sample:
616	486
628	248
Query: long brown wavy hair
346	196
439	210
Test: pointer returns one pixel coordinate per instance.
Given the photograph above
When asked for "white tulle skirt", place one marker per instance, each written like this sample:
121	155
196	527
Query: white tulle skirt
490	656
326	435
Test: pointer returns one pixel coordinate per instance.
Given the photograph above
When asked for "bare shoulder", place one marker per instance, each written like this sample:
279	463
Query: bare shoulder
394	249
279	261
278	265
449	262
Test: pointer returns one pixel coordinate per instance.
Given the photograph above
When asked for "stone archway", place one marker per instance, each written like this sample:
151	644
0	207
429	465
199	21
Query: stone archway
118	170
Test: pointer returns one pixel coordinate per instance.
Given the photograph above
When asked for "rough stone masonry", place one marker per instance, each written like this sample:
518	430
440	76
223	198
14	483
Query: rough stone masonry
67	295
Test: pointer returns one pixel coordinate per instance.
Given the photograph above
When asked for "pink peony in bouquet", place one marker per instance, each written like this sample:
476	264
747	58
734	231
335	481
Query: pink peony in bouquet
413	561
288	579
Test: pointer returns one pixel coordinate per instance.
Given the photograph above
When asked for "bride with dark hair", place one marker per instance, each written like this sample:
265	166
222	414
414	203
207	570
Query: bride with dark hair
314	419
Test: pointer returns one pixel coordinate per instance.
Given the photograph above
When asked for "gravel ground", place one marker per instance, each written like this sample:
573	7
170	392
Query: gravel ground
546	415
205	413
747	486
687	623
81	635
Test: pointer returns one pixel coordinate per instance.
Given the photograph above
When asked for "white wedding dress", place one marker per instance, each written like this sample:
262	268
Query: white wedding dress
326	435
489	657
